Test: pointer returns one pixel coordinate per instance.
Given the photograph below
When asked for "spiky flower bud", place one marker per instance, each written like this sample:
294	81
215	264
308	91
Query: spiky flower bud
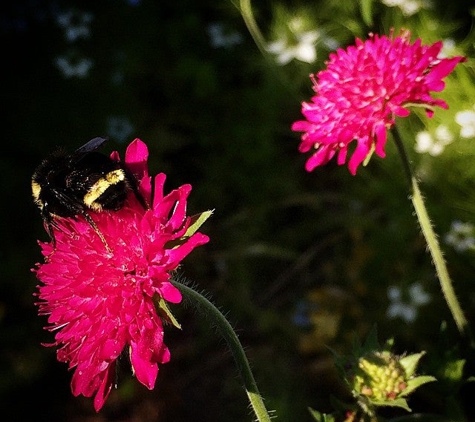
379	376
376	377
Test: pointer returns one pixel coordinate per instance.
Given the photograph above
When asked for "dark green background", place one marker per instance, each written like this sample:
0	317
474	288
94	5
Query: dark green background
218	118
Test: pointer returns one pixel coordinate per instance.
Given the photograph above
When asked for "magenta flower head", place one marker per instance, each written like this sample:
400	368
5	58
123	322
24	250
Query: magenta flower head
363	89
100	302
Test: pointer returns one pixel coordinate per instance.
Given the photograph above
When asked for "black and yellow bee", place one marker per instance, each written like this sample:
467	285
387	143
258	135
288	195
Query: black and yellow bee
68	185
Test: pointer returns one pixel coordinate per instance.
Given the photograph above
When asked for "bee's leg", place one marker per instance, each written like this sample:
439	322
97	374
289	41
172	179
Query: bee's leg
96	229
49	225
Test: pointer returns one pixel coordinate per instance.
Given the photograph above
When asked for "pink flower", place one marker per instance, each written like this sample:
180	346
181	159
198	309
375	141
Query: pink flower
361	92
99	302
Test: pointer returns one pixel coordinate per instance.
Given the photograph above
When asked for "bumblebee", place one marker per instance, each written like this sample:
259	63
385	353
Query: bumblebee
68	185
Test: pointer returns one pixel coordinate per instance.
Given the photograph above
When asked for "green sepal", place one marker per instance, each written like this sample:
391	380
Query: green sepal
420	105
321	417
196	221
366	11
409	363
453	370
416	383
399	402
370	154
163	309
371	342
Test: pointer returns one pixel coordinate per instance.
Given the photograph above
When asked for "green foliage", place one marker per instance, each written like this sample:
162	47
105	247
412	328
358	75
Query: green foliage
378	378
303	262
321	417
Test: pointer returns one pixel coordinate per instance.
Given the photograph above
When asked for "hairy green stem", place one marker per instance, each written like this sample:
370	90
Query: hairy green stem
226	330
248	16
432	242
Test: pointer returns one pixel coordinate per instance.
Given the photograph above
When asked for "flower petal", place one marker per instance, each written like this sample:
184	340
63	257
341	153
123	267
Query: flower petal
99	301
361	91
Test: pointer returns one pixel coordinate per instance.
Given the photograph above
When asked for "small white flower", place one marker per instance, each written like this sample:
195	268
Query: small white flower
394	293
434	145
296	24
119	128
281	50
466	119
424	141
418	295
303	50
71	67
444	135
403	309
448	49
408	7
461	236
399	309
75	24
221	38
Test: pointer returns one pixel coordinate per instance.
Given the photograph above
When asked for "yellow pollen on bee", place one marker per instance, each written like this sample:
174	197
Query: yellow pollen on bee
36	189
97	189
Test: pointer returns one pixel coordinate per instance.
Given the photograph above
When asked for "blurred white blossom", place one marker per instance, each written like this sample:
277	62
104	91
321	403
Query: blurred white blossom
448	49
434	145
297	24
408	7
74	67
119	128
220	37
466	119
303	48
406	310
75	24
295	37
461	236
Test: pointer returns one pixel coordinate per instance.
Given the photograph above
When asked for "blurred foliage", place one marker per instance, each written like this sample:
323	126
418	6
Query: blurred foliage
301	262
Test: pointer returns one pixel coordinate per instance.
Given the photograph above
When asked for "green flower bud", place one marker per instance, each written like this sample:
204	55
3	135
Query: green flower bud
379	376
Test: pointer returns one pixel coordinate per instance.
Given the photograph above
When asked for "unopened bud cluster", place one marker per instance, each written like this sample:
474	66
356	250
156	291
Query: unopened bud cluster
379	376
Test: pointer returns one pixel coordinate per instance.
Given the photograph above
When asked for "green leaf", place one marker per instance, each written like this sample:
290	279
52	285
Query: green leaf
371	342
454	370
399	402
321	417
409	363
366	11
163	309
416	383
370	154
197	221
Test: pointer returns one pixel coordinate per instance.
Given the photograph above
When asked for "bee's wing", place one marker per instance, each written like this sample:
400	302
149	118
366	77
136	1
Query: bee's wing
91	145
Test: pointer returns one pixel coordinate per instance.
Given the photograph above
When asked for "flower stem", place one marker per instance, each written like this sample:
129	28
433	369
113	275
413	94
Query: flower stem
226	330
432	242
248	16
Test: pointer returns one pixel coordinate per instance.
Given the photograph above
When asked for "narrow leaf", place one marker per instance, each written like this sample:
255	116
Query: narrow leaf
366	11
410	362
393	403
321	417
165	310
416	383
197	221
